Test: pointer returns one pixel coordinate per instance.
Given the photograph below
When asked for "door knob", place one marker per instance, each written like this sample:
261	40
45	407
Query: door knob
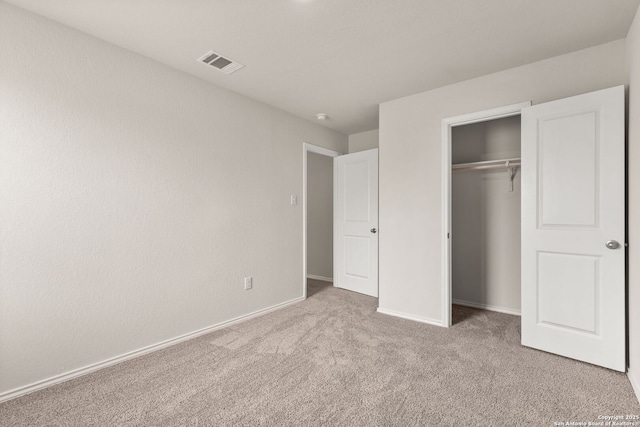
612	244
373	230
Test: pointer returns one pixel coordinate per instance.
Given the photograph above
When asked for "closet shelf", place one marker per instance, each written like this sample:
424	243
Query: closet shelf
489	164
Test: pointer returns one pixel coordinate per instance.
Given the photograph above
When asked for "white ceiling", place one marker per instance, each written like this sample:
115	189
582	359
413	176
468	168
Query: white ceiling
344	57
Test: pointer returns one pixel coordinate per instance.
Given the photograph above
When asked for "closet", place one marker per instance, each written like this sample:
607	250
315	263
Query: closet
554	250
485	215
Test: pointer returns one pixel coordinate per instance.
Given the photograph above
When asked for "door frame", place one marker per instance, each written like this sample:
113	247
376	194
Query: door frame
307	148
447	125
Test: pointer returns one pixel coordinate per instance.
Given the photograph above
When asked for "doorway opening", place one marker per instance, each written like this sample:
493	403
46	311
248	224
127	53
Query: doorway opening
481	212
318	199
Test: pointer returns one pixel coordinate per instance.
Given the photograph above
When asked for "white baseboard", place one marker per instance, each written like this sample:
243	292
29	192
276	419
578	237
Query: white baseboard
635	383
410	317
11	394
324	279
486	307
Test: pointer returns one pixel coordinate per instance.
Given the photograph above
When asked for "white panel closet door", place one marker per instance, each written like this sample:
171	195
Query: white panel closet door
573	215
355	222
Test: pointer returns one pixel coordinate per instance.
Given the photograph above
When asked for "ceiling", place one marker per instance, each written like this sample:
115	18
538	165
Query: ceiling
344	57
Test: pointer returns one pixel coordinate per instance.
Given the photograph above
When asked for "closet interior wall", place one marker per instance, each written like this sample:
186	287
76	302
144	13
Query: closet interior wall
485	217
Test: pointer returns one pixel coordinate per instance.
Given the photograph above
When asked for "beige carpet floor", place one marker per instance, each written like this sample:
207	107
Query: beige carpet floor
333	361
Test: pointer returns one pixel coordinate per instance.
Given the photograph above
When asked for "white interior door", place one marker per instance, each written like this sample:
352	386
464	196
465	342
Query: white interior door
573	227
355	222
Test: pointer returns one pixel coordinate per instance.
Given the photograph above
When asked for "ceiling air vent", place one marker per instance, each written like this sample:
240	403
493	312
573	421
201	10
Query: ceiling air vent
219	62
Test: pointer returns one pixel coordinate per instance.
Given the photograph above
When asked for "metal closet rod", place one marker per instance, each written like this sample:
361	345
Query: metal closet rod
488	164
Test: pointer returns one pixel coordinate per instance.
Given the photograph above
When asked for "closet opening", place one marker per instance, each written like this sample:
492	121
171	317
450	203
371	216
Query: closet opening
482	213
485	215
317	257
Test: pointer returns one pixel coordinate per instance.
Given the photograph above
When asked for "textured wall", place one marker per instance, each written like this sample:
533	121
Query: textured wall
133	201
411	163
320	215
633	64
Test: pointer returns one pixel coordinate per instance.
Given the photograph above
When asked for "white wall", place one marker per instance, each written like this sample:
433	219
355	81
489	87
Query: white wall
633	64
411	166
485	217
319	215
364	141
133	201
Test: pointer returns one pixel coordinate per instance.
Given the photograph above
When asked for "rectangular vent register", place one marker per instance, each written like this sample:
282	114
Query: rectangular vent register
219	62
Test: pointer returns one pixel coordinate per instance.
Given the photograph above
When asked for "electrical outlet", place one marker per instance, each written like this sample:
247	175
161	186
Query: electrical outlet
248	283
